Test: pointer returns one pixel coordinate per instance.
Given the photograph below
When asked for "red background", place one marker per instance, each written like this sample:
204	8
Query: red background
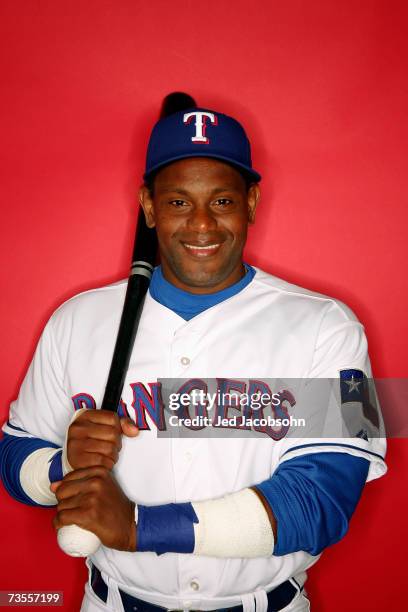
321	87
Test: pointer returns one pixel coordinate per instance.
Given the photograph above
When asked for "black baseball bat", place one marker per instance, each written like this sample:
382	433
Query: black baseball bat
74	540
143	260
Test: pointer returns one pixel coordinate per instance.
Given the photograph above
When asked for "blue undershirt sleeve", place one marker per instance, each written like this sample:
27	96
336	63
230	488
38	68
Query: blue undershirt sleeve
55	472
166	528
313	497
13	452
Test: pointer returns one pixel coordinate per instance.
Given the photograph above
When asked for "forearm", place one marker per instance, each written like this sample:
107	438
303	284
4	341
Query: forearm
27	468
305	505
268	509
234	526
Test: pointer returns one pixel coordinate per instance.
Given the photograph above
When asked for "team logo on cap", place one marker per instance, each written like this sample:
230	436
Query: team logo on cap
200	124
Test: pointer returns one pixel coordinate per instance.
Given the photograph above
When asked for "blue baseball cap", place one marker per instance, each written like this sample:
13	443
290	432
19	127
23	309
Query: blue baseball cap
199	132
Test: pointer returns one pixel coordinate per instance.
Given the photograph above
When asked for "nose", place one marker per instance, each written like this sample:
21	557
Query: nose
202	219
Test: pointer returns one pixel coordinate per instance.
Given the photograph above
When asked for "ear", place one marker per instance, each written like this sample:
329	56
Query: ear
254	195
146	202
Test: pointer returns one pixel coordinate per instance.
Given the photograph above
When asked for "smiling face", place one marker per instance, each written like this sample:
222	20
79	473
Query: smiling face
201	208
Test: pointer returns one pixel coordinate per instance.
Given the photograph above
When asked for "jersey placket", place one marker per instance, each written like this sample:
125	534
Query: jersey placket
185	457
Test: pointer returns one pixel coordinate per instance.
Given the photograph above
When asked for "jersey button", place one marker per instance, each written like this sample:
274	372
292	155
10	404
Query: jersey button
194	585
185	361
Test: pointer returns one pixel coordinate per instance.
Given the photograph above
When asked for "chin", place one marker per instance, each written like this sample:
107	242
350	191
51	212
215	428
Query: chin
202	278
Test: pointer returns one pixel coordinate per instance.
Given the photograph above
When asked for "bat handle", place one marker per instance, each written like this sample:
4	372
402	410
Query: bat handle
77	542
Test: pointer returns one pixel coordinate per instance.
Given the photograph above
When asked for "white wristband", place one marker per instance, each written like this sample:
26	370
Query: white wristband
236	525
34	471
34	478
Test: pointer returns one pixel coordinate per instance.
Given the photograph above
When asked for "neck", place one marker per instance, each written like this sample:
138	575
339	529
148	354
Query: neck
208	288
187	304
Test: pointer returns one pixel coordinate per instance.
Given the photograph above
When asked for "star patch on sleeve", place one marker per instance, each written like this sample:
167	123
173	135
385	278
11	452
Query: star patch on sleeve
355	387
352	385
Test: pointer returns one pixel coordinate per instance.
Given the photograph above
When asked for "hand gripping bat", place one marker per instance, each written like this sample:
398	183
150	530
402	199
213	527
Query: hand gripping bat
74	540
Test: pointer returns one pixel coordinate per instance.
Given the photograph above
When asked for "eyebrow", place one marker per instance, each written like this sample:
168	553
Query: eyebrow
186	192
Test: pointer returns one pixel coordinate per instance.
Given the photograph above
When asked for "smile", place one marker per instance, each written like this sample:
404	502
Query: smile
202	250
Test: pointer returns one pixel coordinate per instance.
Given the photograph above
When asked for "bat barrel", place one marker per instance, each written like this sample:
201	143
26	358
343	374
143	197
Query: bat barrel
144	254
145	247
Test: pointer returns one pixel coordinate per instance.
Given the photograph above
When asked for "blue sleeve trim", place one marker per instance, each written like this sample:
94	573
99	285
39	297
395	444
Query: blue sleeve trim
15	427
363	450
13	452
166	528
313	498
55	472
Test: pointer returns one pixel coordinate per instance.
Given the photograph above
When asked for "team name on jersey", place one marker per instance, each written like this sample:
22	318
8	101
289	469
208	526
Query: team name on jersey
218	413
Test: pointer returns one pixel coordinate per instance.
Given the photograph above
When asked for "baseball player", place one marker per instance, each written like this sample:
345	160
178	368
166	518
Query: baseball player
198	522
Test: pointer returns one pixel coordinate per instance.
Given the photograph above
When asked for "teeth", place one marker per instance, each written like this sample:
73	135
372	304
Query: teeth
204	248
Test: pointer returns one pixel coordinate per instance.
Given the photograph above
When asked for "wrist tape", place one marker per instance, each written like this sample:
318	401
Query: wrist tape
37	468
34	476
234	526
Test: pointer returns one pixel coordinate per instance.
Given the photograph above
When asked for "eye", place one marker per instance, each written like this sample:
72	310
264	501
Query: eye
223	202
178	203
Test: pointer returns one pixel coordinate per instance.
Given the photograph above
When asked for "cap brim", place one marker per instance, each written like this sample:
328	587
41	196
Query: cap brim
250	172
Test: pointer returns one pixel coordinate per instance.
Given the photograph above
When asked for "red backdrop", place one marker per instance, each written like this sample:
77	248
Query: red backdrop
321	88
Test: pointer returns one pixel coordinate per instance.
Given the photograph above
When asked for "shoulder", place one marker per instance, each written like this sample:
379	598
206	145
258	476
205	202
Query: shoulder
295	298
90	307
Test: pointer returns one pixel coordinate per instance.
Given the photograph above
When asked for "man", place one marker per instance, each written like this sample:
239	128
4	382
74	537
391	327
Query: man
204	522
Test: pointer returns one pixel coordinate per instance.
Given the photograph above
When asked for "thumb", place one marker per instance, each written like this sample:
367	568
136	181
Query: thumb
129	427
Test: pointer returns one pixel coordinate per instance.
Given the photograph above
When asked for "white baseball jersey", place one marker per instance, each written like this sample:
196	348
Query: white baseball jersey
271	329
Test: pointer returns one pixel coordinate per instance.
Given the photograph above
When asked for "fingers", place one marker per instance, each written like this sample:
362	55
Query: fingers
93	446
129	427
85	474
92	499
91	459
78	513
103	425
78	495
95	438
72	502
85	426
99	417
68	517
79	483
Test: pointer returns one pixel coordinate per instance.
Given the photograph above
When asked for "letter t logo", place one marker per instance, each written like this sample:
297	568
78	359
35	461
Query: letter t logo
200	125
